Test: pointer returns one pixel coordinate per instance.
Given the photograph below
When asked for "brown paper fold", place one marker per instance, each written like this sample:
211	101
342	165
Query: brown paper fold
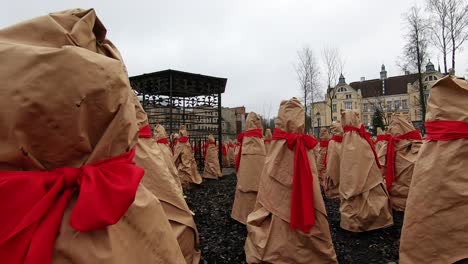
332	173
212	168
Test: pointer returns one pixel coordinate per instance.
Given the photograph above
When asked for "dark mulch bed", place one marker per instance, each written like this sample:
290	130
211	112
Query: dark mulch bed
222	239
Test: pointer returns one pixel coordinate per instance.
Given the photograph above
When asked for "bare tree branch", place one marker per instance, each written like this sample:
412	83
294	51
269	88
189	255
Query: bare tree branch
334	66
457	25
440	35
308	75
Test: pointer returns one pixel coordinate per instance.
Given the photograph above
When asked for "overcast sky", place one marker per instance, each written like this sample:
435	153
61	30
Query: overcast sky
253	43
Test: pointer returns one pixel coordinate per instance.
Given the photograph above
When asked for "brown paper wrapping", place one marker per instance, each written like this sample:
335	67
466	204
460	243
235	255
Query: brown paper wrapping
435	228
185	161
225	158
269	238
68	100
231	154
406	153
321	152
365	204
212	168
267	138
160	181
250	169
381	149
332	173
159	132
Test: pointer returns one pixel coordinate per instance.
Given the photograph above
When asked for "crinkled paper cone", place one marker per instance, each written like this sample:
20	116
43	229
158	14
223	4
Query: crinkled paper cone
250	169
324	136
435	228
365	204
66	98
269	238
267	136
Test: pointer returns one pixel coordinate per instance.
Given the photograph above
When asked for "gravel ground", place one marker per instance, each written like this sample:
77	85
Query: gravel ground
222	239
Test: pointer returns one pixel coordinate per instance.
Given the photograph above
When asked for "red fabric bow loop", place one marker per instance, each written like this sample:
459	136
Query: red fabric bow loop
29	229
445	130
257	133
182	139
163	141
390	155
302	214
145	132
366	136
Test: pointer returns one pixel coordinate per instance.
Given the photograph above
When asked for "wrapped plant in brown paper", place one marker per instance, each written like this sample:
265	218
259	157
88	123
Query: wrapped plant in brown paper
333	160
275	232
252	159
365	204
184	160
212	168
402	149
67	104
435	228
162	139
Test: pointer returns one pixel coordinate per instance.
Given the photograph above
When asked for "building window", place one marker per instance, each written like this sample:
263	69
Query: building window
404	104
348	105
334	108
335	118
389	106
372	108
342	90
366	107
348	96
318	121
366	120
397	104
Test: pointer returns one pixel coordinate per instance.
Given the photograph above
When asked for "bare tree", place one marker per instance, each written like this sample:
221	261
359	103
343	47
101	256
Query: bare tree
334	66
308	75
457	25
438	26
415	49
267	115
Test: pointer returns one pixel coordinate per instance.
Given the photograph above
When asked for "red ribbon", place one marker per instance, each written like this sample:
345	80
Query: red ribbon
163	141
267	140
302	199
258	133
182	139
224	149
33	203
390	170
337	138
145	132
444	130
366	136
324	143
385	137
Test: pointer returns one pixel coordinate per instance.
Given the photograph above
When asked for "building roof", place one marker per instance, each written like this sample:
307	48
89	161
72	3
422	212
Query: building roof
177	83
393	85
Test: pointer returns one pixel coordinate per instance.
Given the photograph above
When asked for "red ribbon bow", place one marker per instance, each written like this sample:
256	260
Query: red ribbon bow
182	139
145	132
31	221
366	136
163	141
267	140
385	137
445	130
258	133
390	170
302	199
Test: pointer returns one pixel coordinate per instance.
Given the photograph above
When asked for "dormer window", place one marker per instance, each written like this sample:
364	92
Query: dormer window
342	90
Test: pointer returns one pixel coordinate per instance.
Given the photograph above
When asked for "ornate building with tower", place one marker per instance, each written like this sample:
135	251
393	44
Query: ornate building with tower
389	94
